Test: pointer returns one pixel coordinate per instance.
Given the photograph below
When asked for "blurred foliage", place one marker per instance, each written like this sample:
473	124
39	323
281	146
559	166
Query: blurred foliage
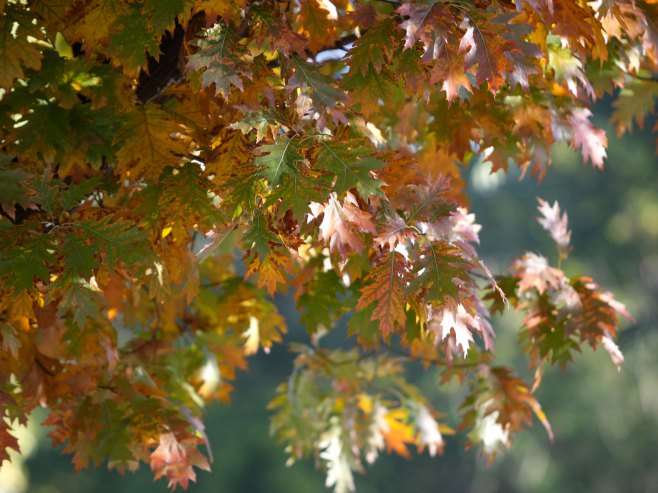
605	422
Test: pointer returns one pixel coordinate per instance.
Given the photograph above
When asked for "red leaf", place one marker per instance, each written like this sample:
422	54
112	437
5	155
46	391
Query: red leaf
7	441
175	460
385	285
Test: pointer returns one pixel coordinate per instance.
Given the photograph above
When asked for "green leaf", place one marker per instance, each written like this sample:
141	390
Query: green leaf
307	77
243	190
131	39
114	437
162	13
22	263
67	78
550	340
352	162
12	189
79	297
374	48
46	132
47	195
371	89
265	121
95	130
219	57
365	328
279	159
297	190
79	257
63	48
186	195
259	236
16	51
77	193
117	238
435	271
323	301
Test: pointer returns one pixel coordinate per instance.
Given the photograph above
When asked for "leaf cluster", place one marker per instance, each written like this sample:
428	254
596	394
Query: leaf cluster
168	167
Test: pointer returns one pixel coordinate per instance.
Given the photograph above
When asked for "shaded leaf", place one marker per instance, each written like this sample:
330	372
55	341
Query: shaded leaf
150	140
320	86
220	58
17	52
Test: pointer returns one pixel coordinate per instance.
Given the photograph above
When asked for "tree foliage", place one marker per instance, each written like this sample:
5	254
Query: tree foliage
169	166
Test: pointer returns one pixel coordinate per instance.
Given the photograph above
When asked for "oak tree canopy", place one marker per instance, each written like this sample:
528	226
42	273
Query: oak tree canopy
168	166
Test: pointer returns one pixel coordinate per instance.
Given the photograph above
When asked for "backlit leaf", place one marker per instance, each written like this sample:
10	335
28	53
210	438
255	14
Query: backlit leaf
385	286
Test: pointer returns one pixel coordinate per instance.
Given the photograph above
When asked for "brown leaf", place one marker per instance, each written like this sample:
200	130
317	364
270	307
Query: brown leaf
314	22
385	285
7	440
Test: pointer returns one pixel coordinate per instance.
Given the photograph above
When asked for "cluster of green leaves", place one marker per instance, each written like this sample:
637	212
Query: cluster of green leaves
167	167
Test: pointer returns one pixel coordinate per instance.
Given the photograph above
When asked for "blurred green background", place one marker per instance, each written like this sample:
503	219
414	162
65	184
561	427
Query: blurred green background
605	422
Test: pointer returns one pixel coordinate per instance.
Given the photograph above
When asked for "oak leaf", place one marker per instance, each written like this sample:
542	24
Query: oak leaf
592	141
17	51
220	57
150	140
7	440
307	77
487	46
14	190
374	49
556	224
279	159
176	459
352	162
342	223
385	285
314	21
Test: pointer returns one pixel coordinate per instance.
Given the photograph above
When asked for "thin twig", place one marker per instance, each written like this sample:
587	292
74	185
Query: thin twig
43	367
436	361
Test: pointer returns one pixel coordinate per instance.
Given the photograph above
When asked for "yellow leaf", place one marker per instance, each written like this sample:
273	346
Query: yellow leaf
253	337
151	140
314	22
399	434
21	311
270	271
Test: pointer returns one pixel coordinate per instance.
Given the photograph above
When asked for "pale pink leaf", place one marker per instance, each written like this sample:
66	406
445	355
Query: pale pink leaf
556	224
613	350
342	223
592	141
535	273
